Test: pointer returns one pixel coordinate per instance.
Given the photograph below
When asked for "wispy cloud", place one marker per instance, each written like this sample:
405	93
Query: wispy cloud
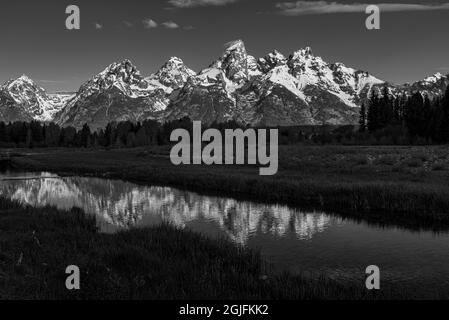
199	3
188	28
128	24
149	23
98	26
325	7
170	25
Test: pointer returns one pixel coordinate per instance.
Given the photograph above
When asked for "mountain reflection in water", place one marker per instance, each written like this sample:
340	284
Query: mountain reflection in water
313	243
120	204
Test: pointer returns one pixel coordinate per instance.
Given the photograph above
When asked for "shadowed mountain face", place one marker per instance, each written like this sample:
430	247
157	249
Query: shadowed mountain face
275	90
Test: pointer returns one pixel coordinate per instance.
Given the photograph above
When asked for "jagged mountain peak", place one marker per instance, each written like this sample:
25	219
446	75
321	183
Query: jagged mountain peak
235	45
272	60
125	70
308	50
25	78
173	74
22	88
301	89
20	81
234	62
120	93
276	55
303	61
434	78
274	90
123	76
303	53
175	60
126	63
431	86
234	50
25	101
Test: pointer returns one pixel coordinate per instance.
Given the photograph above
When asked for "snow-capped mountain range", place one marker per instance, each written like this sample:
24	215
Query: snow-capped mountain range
276	90
21	99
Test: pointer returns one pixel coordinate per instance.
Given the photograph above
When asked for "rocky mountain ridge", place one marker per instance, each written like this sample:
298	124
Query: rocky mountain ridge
275	90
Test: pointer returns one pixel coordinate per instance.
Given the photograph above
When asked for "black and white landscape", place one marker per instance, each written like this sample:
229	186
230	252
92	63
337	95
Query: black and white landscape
230	150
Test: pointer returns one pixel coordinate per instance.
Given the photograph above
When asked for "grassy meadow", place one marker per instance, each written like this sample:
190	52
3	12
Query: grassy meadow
161	263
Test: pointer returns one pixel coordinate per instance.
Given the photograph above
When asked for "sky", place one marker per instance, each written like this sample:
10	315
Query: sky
412	42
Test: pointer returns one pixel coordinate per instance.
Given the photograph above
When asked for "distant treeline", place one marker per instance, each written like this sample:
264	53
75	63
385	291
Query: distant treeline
121	134
383	120
129	134
415	119
116	135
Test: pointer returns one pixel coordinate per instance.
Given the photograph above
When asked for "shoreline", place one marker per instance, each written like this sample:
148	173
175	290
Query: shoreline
390	203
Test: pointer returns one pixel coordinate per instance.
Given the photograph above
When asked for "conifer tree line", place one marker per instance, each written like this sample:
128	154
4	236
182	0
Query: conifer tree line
117	135
416	116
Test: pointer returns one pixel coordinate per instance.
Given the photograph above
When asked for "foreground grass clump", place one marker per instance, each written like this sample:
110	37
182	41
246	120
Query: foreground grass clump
36	246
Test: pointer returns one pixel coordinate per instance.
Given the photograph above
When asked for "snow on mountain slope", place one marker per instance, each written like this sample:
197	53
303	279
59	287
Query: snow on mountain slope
172	75
211	96
61	98
432	86
281	76
339	80
120	93
234	62
123	76
271	60
275	90
22	99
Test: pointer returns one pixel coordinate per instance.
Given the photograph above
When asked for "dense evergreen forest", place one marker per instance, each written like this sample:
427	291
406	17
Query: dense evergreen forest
412	120
384	120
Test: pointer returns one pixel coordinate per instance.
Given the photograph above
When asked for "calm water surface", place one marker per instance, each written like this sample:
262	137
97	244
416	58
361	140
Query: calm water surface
310	242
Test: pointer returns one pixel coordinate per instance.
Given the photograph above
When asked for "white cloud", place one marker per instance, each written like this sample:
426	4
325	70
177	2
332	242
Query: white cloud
149	23
98	26
170	25
323	7
199	3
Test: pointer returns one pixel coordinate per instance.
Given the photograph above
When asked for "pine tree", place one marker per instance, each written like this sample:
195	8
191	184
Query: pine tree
4	136
426	116
373	112
85	139
362	120
444	124
414	114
